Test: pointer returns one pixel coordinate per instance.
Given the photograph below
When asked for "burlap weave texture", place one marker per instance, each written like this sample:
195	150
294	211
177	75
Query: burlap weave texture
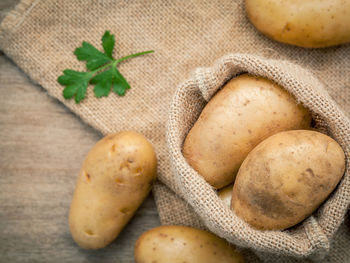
40	37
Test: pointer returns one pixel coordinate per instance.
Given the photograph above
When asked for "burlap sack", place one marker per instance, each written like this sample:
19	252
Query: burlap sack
311	238
41	35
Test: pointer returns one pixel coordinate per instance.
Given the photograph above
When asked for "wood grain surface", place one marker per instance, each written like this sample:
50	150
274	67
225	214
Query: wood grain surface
42	145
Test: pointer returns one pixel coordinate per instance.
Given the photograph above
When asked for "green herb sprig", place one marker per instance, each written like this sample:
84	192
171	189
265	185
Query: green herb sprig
101	71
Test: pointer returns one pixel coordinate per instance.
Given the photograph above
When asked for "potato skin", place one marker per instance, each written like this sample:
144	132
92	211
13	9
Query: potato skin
247	110
225	194
286	178
311	24
179	244
114	180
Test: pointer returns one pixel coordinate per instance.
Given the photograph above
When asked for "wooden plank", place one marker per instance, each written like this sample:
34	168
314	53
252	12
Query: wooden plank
42	145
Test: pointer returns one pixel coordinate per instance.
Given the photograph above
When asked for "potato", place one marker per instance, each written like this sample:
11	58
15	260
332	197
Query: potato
246	111
115	178
286	177
179	244
311	24
225	194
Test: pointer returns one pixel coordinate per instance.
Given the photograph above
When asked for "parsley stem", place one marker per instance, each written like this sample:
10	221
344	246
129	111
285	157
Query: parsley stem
117	61
103	67
133	55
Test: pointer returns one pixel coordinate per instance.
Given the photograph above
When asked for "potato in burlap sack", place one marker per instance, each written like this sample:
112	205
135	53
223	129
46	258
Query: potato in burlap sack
310	239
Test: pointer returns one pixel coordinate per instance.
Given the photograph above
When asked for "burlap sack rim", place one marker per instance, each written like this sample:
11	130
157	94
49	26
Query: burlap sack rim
305	248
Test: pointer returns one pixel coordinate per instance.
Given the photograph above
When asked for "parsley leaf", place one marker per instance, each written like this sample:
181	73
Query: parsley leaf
93	57
108	44
76	84
103	83
101	71
120	85
108	78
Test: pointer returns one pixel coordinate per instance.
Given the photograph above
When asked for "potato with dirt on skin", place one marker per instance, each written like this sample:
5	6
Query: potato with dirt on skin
115	178
244	112
311	24
286	178
179	244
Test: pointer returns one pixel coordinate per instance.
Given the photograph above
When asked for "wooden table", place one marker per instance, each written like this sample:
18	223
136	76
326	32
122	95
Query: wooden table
42	145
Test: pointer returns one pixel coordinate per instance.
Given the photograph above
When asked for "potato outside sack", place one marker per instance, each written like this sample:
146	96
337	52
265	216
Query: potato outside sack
115	178
179	244
310	24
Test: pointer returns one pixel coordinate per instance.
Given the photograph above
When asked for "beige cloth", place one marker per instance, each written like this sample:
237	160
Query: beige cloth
41	35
